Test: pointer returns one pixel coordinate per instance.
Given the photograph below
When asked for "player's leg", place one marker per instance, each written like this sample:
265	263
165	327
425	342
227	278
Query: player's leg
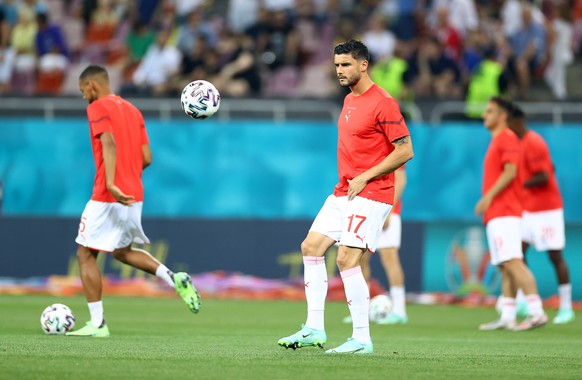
367	272
524	279
140	259
312	333
565	312
504	242
360	232
393	268
92	286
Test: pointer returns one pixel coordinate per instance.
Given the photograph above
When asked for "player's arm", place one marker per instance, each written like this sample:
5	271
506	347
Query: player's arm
538	179
146	154
110	162
399	185
401	154
509	173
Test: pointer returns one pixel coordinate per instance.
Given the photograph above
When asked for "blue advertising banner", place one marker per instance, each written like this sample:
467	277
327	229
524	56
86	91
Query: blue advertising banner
256	170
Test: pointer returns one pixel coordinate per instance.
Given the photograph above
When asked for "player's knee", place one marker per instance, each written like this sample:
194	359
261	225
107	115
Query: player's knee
308	248
120	255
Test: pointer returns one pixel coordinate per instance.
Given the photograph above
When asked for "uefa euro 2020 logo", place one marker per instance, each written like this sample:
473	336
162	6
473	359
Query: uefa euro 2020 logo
468	268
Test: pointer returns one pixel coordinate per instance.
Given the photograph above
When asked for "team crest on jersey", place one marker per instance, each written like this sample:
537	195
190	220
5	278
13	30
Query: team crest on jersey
468	268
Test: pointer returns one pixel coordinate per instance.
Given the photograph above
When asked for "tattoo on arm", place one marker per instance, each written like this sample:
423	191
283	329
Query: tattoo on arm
401	141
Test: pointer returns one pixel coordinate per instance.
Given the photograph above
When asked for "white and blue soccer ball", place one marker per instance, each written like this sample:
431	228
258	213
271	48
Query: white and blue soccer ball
57	319
380	307
200	99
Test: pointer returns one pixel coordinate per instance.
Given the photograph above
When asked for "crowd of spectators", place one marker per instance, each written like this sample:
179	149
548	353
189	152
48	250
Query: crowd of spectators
443	49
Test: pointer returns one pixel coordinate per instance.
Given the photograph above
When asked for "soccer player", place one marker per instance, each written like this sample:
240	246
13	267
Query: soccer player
543	213
501	208
111	221
373	141
387	247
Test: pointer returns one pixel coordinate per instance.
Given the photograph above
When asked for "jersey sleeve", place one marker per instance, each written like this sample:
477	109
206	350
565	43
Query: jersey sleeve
509	149
538	158
390	120
99	119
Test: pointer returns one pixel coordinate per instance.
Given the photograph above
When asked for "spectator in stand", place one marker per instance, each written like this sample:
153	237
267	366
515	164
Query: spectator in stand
279	44
511	15
10	10
192	28
435	73
393	74
239	75
380	41
529	51
561	51
51	48
7	54
242	14
74	31
23	40
462	14
138	41
159	64
448	35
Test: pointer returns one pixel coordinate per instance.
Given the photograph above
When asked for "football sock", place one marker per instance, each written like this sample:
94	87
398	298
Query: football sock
520	297
398	300
315	278
565	293
358	297
96	312
508	309
165	274
534	304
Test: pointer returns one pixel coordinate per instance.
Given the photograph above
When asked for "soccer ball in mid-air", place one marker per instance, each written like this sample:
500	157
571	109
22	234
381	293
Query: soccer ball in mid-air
380	307
200	99
57	319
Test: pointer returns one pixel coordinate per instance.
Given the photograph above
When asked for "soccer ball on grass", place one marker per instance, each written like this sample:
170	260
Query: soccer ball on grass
200	99
57	319
380	307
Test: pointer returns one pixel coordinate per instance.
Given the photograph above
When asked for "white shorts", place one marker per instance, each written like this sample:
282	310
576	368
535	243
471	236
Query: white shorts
108	226
544	230
504	239
391	237
355	223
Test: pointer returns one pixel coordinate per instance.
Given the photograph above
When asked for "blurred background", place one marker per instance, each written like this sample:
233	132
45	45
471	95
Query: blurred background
237	193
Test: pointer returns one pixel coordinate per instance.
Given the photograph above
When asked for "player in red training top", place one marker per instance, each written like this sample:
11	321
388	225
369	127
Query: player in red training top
388	246
501	209
373	141
111	221
543	213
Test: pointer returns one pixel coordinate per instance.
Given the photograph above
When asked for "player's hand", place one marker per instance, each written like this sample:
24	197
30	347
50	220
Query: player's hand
120	197
355	186
482	206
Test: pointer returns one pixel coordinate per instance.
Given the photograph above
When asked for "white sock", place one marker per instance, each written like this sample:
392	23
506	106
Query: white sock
398	296
358	297
565	293
508	309
315	278
96	311
165	274
520	297
534	305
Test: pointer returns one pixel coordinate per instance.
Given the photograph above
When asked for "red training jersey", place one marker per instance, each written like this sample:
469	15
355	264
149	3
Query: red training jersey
504	148
116	115
535	158
367	126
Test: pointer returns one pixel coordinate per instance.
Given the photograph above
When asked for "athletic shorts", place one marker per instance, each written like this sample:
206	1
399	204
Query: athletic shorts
355	223
504	239
391	237
108	226
544	230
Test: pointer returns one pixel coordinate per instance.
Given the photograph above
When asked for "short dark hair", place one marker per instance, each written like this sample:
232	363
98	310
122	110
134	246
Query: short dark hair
516	113
93	70
505	104
353	47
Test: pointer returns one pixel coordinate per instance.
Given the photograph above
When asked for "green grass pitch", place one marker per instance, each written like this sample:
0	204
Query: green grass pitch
158	338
